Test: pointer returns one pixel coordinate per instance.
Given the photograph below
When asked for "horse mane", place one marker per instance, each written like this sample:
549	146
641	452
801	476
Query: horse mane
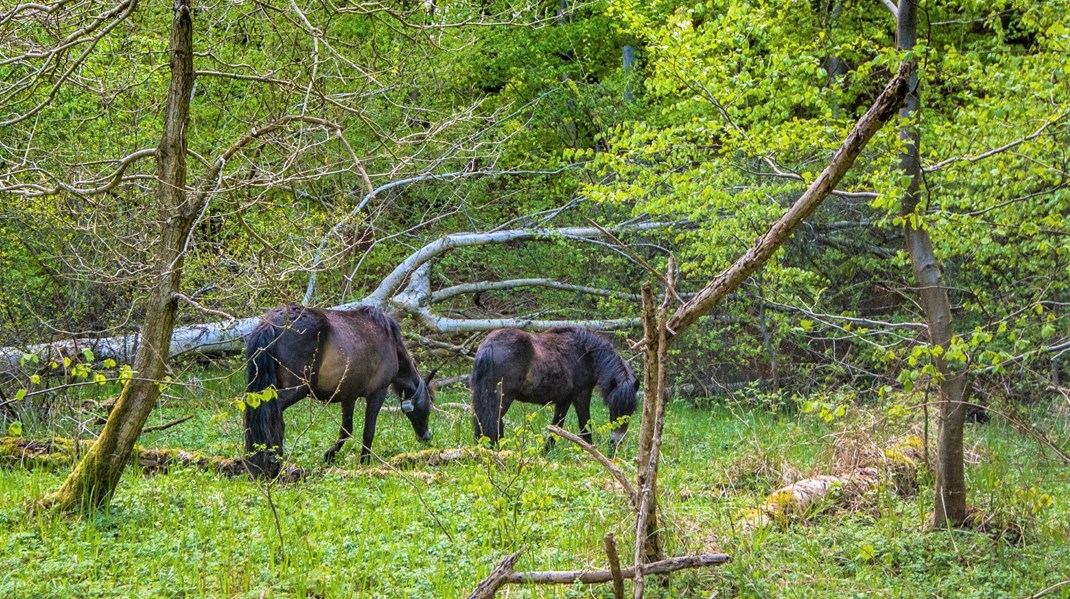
384	320
406	365
610	368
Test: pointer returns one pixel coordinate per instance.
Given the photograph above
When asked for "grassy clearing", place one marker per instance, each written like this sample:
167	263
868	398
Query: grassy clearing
194	534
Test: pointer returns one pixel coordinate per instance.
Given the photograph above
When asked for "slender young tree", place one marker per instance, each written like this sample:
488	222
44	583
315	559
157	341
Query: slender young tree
928	273
93	481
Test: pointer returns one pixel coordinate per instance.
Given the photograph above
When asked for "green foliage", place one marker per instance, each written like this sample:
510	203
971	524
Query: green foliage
744	103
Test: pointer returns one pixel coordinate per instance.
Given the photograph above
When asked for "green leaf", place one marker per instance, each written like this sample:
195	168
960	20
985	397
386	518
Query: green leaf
14	429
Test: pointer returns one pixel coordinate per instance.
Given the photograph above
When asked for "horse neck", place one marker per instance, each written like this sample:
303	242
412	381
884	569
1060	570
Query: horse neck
606	361
408	381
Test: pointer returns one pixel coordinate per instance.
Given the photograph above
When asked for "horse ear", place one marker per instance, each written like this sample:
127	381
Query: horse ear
430	375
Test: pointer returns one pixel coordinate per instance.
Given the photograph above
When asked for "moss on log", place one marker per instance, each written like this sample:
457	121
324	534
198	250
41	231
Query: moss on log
59	454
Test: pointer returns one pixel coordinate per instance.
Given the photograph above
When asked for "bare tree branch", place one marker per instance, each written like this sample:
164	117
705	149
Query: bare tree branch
622	480
455	290
373	193
453	241
1001	149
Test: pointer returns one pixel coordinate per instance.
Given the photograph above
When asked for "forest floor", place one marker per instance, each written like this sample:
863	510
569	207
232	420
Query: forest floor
436	531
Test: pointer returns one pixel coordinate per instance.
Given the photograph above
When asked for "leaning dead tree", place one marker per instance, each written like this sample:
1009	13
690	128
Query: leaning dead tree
660	331
406	290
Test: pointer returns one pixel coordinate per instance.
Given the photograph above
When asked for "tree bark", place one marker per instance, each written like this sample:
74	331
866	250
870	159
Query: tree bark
647	542
93	482
950	471
610	542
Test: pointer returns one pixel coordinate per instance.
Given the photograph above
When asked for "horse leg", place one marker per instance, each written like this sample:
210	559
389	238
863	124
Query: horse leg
347	430
560	411
583	416
371	414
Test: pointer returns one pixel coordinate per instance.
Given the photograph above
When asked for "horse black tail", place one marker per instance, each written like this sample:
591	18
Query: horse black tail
263	422
260	371
487	397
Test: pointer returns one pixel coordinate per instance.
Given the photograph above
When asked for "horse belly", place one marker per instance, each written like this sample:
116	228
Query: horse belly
347	375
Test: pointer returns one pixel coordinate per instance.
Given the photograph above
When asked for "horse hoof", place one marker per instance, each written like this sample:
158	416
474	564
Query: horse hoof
329	457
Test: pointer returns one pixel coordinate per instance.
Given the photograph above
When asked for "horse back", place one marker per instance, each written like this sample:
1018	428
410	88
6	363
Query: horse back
359	354
532	368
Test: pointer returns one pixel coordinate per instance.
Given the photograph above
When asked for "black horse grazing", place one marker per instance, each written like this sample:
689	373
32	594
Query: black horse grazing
336	356
560	366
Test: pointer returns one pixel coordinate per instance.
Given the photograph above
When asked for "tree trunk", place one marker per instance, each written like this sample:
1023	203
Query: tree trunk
93	481
648	546
950	473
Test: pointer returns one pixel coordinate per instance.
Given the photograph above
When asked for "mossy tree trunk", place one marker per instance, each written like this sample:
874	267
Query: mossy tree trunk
93	481
950	471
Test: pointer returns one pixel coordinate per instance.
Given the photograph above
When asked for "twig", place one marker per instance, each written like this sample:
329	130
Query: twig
1003	148
166	425
631	254
629	490
1053	587
192	302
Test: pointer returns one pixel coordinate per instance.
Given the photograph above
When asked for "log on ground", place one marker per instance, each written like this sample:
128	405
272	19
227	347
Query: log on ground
898	463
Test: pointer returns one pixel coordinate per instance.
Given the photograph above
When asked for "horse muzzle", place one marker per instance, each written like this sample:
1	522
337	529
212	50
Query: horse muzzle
426	437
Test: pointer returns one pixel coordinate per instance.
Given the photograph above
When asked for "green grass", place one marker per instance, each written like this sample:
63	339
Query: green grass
195	534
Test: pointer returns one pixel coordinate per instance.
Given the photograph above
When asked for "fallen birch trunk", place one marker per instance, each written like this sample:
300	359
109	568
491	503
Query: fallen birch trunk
898	464
415	299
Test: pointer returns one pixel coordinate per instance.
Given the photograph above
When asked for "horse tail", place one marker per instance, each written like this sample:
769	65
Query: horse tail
486	395
260	371
263	423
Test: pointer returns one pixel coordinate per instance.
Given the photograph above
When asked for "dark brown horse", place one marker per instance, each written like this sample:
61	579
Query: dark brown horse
336	356
560	366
